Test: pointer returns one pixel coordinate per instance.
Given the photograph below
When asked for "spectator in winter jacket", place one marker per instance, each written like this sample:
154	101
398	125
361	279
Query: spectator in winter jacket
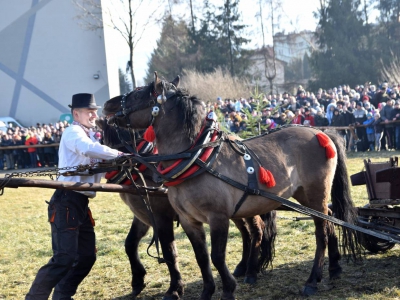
388	132
320	119
378	129
370	131
8	153
395	116
32	140
348	119
360	115
329	111
308	118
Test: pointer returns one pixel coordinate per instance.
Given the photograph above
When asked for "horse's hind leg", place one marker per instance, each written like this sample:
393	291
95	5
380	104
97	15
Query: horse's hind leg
310	287
136	233
196	234
241	268
333	252
167	241
255	226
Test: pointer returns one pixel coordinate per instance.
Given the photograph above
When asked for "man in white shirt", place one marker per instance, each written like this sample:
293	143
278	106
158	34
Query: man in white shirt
73	237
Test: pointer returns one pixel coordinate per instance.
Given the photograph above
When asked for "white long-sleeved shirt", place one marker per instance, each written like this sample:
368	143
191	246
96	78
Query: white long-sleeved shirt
76	148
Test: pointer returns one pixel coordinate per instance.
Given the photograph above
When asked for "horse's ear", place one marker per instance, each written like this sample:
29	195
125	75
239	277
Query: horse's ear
176	81
157	84
99	123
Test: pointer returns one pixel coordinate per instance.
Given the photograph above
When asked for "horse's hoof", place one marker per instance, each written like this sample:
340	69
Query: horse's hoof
239	272
136	290
309	290
250	279
335	274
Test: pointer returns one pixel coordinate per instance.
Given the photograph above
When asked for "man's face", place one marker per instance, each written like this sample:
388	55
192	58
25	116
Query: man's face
86	116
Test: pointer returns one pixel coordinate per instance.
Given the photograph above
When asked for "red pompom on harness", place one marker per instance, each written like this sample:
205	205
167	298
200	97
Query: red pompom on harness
149	135
325	142
266	177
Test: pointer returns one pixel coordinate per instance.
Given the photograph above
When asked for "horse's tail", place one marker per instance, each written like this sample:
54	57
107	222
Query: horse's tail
342	204
267	248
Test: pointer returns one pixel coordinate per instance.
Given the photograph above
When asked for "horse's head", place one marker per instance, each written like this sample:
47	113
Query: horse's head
112	138
139	108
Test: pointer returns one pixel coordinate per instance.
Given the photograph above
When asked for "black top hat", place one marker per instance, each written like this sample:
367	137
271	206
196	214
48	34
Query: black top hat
83	101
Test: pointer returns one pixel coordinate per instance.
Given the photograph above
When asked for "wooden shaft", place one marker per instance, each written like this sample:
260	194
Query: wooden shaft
79	186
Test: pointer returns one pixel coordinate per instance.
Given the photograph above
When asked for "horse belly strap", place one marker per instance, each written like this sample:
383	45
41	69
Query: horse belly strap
252	185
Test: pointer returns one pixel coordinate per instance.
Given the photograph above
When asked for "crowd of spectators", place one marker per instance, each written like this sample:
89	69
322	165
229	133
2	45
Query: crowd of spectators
30	157
372	106
369	105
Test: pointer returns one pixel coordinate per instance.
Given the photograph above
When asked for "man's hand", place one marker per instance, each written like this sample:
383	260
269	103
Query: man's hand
124	154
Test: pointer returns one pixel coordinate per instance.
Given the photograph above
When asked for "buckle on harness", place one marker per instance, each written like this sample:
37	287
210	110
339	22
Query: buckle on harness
255	192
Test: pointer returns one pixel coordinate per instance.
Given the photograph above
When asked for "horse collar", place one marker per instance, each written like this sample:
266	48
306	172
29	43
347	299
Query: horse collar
184	169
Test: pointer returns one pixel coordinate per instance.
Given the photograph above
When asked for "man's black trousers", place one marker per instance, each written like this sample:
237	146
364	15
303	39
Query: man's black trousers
73	243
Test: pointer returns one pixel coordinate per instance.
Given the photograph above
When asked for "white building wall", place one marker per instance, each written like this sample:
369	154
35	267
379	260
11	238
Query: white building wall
293	45
257	71
46	57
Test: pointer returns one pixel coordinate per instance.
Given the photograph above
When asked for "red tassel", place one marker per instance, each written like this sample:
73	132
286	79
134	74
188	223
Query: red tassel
263	175
149	134
271	182
266	177
330	152
323	139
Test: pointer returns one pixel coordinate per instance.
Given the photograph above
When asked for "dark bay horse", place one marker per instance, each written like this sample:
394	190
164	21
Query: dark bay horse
258	233
300	163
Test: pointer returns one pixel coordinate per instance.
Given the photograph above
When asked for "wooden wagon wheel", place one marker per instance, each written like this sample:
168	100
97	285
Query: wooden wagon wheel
369	242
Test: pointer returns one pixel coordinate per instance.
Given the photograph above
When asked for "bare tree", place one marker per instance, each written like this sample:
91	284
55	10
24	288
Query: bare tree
123	16
269	59
391	71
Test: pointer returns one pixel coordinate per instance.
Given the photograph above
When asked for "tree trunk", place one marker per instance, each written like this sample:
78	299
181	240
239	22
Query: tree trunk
132	70
131	45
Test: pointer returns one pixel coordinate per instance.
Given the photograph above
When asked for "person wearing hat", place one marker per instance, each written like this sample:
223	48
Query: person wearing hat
72	232
381	96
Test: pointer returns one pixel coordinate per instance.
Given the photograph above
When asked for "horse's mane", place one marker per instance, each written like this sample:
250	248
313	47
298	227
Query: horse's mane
189	111
188	107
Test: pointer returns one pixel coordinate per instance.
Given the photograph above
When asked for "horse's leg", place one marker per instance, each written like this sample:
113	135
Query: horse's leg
241	268
255	226
196	234
310	287
333	252
136	233
219	227
167	241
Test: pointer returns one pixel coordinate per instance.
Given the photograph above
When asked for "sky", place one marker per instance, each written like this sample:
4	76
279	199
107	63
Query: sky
297	16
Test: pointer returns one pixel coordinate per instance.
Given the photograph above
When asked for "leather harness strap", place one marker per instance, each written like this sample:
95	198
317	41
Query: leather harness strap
299	208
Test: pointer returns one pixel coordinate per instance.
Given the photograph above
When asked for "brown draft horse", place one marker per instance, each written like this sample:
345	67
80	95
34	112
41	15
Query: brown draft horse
258	233
293	155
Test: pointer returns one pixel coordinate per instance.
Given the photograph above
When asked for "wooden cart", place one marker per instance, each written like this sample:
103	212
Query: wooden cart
382	213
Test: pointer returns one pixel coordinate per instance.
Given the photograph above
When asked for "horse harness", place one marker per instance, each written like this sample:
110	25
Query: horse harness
201	155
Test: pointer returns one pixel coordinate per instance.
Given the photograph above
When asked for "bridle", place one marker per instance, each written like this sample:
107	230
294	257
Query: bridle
155	99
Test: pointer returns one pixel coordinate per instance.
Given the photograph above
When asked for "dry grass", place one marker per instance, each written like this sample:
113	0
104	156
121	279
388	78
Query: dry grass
209	86
25	246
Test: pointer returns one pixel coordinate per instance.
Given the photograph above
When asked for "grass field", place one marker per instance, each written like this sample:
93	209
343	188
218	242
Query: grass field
25	247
